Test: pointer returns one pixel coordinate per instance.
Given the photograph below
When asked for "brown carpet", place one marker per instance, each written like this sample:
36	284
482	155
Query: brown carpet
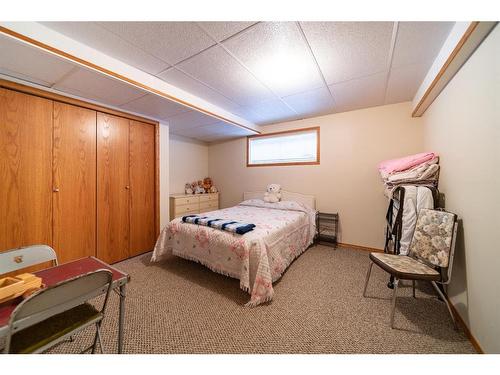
179	306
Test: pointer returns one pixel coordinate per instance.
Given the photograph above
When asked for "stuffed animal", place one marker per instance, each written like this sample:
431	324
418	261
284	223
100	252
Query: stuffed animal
199	188
188	189
207	184
213	189
273	193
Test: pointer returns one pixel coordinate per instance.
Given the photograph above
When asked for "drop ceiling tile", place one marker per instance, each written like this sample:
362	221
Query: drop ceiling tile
198	131
359	93
190	119
419	42
269	112
107	42
181	80
96	86
217	69
223	30
310	103
347	50
29	63
404	82
276	53
155	106
170	41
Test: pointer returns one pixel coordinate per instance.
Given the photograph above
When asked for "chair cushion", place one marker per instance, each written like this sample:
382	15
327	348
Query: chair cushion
433	235
35	337
404	267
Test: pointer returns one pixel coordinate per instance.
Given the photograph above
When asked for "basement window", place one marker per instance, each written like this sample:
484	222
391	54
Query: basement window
291	147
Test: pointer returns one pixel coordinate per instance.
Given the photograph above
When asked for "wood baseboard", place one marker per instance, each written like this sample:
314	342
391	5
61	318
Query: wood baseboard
464	326
358	247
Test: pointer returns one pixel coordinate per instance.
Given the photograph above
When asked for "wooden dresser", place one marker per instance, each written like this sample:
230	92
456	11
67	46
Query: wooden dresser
182	204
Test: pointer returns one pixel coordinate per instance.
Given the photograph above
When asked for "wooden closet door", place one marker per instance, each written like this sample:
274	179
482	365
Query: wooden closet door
25	170
112	188
74	197
142	187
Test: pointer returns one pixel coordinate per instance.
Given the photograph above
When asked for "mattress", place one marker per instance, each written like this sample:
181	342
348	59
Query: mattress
283	231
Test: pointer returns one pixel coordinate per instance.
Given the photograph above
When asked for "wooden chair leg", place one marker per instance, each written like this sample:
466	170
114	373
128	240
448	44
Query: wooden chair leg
394	294
367	278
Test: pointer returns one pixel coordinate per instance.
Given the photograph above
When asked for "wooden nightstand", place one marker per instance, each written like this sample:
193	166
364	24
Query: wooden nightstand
182	204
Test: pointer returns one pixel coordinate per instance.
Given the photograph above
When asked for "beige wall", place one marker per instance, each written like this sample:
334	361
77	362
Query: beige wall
463	126
164	175
188	161
346	181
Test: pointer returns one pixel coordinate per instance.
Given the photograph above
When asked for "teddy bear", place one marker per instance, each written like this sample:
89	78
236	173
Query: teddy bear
273	193
199	188
207	184
188	189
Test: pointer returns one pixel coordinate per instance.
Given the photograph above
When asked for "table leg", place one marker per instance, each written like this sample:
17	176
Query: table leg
121	318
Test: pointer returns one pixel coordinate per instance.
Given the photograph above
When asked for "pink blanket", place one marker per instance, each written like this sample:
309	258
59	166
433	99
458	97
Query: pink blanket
397	165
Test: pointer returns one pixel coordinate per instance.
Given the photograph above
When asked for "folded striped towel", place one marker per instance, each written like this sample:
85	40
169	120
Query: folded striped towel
227	225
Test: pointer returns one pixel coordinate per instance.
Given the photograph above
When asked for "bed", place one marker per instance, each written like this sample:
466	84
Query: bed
283	231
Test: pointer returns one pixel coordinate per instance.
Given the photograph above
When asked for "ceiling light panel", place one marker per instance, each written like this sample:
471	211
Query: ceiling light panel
96	86
223	30
276	53
25	62
216	68
419	42
171	42
347	50
107	42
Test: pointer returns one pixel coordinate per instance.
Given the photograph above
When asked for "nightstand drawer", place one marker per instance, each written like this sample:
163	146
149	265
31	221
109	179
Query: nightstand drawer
186	200
209	206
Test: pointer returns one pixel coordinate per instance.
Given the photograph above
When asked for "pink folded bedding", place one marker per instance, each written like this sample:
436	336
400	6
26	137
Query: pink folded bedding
401	164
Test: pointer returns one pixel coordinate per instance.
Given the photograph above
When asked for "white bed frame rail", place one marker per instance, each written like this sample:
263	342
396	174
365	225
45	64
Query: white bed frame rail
308	200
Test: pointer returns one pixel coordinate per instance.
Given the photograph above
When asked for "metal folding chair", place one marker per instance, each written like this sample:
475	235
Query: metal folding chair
430	258
16	259
52	315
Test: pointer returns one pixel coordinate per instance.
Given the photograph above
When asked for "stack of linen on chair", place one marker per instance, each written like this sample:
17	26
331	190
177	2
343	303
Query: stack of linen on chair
418	169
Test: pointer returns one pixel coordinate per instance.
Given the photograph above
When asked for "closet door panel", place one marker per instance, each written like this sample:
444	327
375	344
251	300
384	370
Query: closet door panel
112	188
74	197
142	187
25	170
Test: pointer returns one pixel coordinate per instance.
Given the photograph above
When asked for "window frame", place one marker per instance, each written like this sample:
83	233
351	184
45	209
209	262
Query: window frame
300	130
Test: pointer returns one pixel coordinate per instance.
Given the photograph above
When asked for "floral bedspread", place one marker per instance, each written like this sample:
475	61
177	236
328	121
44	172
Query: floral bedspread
283	231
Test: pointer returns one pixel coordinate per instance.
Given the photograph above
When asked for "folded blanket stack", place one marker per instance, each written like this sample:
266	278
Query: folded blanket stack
227	225
419	169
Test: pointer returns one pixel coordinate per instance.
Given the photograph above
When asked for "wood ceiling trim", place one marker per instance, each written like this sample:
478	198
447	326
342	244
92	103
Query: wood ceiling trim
108	72
470	30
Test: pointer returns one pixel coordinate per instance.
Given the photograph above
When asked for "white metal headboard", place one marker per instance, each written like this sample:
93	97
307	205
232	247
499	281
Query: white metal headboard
308	200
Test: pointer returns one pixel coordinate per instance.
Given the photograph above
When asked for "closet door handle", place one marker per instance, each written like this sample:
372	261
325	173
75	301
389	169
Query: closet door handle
127	187
55	190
